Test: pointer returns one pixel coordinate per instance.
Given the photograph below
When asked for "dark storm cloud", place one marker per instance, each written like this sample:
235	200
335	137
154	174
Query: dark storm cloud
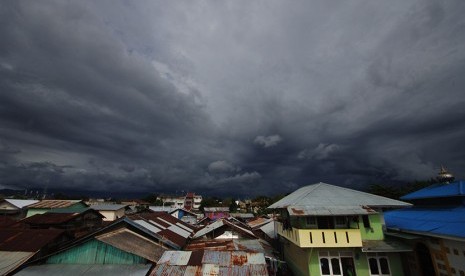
229	97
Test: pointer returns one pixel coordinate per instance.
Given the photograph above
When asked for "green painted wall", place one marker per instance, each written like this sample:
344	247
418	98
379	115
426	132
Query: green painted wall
307	262
95	252
376	230
32	212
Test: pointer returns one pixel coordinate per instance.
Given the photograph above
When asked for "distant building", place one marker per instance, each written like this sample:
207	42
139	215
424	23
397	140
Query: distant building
215	213
185	215
110	212
190	201
15	208
76	222
330	230
47	205
435	227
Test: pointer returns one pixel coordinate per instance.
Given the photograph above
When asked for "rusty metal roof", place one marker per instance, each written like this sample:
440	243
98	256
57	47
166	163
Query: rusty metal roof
132	242
211	263
50	204
258	222
50	218
165	225
58	216
27	240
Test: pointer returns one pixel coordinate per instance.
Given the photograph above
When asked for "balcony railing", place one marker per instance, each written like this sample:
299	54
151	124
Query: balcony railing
322	237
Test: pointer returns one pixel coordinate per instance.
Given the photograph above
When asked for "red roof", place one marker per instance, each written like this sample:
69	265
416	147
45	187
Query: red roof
27	240
6	221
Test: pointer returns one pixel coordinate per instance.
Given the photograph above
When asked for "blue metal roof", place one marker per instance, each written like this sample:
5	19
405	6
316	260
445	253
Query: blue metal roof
438	190
436	221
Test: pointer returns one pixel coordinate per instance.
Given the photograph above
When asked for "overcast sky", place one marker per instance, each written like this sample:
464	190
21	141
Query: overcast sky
229	97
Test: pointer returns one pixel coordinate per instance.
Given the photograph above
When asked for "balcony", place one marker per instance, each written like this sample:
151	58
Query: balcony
306	238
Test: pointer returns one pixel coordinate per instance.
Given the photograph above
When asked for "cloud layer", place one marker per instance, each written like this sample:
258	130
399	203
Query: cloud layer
229	97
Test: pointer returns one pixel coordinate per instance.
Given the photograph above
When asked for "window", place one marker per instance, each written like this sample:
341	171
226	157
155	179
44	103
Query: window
311	221
366	222
336	263
379	264
340	222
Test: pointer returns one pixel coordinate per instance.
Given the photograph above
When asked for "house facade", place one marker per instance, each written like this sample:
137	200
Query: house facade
329	230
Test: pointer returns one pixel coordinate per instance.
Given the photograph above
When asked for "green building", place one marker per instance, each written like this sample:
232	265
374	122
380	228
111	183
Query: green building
329	230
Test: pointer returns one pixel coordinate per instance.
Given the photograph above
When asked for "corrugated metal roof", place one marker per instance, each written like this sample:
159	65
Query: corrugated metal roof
185	227
27	240
175	258
222	258
21	203
269	229
94	269
257	269
147	225
108	207
208	228
168	270
255	258
50	218
10	260
448	221
158	224
324	195
216	209
220	223
438	190
132	242
169	226
178	230
162	209
242	215
210	269
258	222
329	210
213	263
49	204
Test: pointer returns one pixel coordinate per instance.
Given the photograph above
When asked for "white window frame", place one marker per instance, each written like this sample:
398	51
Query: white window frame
378	257
333	255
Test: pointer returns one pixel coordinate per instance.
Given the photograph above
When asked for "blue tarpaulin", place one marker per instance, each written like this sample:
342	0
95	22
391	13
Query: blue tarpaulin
438	221
438	190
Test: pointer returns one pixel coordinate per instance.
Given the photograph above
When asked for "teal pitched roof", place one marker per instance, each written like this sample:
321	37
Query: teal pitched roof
322	196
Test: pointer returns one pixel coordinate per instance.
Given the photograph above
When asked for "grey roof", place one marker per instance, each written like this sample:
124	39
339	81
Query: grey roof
326	198
167	209
20	203
11	260
108	207
216	209
217	224
85	269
